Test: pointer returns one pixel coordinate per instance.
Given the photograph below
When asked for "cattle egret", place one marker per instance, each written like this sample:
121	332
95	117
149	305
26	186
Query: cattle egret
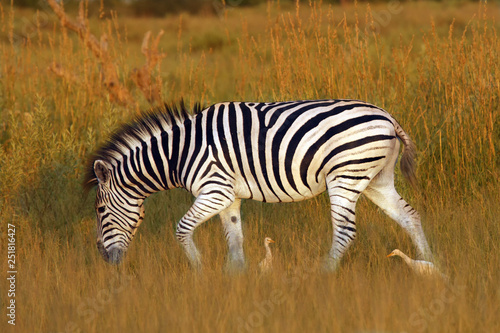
267	264
421	267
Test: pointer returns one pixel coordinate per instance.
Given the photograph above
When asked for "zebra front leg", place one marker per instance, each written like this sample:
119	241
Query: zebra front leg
343	199
231	221
206	205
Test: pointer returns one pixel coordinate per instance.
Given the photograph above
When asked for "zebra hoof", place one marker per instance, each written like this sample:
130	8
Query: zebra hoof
329	265
196	266
235	267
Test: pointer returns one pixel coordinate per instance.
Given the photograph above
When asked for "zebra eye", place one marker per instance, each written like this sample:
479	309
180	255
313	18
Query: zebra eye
101	209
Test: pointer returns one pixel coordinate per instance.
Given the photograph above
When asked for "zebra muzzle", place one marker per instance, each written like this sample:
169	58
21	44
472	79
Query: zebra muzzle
113	256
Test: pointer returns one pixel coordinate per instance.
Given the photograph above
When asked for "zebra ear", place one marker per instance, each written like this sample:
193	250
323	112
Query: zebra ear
101	171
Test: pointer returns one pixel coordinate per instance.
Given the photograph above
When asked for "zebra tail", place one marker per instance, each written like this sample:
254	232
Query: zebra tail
408	160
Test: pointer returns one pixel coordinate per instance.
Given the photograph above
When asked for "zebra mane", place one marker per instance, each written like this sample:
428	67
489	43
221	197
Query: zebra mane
147	122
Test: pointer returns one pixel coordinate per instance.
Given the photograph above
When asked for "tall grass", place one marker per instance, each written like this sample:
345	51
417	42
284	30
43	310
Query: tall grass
437	75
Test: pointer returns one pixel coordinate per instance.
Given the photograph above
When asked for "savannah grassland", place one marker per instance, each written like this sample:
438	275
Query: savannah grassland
434	66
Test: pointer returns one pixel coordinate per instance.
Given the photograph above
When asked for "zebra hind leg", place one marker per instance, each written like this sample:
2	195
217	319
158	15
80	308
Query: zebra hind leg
231	221
206	205
382	192
343	197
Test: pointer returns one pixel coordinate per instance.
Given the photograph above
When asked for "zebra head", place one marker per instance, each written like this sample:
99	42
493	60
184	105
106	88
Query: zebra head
118	215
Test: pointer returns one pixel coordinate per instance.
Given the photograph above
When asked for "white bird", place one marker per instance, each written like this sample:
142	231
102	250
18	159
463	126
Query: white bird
421	267
267	264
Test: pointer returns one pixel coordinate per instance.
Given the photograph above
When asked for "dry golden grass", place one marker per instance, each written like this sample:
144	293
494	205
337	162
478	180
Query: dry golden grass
433	66
65	285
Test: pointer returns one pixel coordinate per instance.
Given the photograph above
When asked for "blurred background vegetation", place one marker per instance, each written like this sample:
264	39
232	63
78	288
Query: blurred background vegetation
161	8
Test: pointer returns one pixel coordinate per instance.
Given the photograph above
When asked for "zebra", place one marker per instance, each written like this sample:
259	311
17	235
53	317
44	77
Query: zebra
270	152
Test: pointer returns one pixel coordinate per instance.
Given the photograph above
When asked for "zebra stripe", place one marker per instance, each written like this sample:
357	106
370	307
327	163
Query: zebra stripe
271	152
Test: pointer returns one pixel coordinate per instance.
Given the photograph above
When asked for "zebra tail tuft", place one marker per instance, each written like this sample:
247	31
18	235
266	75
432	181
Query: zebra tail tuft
408	160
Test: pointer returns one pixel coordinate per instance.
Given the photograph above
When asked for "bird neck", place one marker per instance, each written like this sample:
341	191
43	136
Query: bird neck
268	251
407	259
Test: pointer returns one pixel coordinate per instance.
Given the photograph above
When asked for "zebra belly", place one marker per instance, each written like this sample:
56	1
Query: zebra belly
254	191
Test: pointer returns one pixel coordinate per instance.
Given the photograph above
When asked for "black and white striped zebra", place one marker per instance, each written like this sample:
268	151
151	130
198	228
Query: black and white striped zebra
272	152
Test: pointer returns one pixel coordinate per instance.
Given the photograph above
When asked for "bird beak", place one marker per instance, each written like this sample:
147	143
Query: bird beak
271	241
390	255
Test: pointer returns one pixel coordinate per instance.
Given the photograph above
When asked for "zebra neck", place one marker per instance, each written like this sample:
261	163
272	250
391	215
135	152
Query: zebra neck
186	150
150	165
176	144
